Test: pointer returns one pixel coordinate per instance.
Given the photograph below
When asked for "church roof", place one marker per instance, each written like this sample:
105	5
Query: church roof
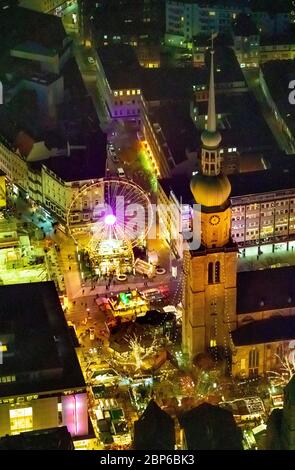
210	191
267	289
265	331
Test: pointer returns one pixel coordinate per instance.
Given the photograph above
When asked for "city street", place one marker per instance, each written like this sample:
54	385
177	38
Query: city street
283	140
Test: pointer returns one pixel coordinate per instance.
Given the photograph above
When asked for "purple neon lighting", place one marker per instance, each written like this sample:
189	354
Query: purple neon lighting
110	219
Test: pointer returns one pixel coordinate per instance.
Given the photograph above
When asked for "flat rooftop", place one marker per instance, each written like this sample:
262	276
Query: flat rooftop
43	439
82	164
178	129
259	182
242	125
40	355
279	6
180	186
181	134
19	25
245	26
277	39
123	71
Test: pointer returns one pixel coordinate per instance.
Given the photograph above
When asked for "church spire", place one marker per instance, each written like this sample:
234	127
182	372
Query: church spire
211	102
211	138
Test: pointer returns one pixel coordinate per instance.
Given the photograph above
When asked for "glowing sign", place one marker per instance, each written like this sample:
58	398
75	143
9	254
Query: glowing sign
74	414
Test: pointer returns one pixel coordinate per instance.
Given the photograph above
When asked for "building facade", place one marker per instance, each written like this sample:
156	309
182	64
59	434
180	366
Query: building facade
186	19
264	219
38	390
46	187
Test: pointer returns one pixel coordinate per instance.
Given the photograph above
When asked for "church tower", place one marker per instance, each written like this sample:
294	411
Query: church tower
210	271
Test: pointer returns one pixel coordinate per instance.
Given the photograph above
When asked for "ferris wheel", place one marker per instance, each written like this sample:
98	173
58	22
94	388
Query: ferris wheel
111	210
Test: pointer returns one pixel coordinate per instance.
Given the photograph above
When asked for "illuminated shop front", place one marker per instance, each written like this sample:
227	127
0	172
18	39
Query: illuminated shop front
128	303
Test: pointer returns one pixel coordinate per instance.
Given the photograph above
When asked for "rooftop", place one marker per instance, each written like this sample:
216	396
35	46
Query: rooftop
267	289
259	182
222	39
40	353
286	38
123	71
236	110
244	26
210	3
44	439
178	129
82	164
19	25
265	331
34	48
279	6
179	186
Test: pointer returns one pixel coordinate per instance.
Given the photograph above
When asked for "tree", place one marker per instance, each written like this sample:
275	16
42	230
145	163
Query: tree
285	372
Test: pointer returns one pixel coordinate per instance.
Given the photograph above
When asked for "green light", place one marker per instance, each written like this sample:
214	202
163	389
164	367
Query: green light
125	298
147	166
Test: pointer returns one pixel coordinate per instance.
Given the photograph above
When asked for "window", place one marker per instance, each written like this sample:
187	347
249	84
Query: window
210	273
214	272
217	271
21	419
253	362
213	343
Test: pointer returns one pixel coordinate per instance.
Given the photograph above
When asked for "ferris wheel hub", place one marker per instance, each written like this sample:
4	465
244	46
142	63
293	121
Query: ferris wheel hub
110	219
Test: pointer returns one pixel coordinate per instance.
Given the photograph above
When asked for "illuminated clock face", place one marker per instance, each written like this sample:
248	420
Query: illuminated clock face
214	220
